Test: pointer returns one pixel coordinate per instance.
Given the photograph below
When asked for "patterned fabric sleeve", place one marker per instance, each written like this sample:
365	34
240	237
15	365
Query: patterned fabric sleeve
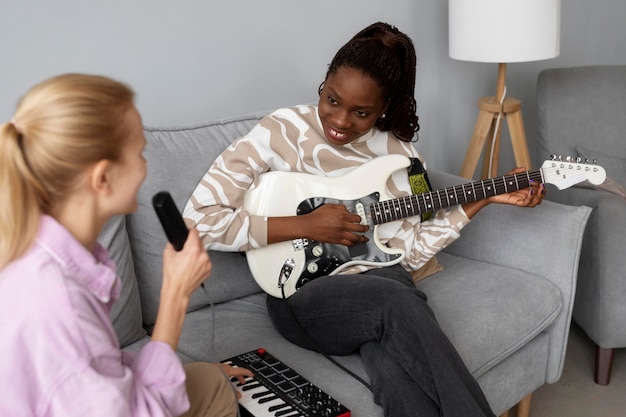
215	207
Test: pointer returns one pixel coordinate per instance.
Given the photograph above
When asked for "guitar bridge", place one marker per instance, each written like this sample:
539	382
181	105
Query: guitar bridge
299	244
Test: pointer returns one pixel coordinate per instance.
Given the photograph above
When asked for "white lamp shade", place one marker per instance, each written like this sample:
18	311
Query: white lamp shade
504	30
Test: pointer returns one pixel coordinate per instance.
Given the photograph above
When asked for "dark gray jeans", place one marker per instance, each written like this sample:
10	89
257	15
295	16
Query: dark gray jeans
413	367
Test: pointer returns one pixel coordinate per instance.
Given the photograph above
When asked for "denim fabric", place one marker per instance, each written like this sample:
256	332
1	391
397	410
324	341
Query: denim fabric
414	369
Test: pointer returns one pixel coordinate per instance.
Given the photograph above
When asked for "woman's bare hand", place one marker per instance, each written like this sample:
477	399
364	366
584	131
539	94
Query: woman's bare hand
185	270
527	197
329	223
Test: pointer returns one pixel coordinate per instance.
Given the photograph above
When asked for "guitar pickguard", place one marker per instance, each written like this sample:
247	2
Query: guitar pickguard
323	259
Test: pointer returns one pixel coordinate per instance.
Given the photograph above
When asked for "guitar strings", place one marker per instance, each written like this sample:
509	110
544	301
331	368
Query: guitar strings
410	205
402	207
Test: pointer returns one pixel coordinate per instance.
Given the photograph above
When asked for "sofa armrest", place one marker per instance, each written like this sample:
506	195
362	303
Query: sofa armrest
543	241
601	284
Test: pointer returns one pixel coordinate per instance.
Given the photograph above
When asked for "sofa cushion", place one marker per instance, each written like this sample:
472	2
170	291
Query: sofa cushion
489	311
514	308
228	329
126	313
177	159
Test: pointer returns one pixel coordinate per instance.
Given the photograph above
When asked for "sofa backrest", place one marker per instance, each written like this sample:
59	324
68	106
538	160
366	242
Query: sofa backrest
177	158
581	112
126	314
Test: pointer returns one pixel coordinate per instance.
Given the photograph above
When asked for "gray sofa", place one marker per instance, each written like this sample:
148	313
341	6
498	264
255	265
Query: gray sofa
504	297
581	111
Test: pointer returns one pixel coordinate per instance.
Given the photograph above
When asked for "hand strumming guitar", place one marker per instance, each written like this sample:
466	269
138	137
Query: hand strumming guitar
330	223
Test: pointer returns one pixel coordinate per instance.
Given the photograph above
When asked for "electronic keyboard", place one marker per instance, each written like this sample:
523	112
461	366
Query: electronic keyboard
277	390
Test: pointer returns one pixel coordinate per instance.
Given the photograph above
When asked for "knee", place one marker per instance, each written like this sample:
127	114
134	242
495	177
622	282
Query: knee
209	390
205	373
399	296
405	306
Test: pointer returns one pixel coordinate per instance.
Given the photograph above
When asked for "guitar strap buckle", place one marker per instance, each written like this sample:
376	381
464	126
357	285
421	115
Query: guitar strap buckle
418	179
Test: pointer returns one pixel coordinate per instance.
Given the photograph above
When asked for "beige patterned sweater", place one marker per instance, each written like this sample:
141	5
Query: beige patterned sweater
292	139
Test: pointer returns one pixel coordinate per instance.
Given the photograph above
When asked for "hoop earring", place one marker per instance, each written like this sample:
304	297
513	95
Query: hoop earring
320	88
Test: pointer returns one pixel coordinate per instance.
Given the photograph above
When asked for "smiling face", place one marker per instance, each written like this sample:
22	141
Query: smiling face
349	106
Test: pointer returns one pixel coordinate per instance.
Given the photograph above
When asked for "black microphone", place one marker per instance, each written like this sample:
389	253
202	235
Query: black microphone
170	219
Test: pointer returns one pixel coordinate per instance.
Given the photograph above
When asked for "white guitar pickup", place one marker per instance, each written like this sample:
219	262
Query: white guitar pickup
360	210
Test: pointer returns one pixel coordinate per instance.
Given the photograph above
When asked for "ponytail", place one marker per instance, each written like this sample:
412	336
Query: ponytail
23	197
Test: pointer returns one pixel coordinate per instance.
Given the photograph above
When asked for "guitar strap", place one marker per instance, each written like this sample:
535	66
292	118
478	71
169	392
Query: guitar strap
418	178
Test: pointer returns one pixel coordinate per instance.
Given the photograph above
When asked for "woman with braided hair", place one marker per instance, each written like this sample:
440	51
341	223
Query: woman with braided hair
366	110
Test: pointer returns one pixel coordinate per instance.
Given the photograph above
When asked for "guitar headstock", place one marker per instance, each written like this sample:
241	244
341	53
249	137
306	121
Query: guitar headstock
565	173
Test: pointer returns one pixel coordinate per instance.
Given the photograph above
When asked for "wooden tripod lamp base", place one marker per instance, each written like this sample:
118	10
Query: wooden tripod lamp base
510	110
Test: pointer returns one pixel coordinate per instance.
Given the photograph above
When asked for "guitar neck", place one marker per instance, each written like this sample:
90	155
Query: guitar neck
400	208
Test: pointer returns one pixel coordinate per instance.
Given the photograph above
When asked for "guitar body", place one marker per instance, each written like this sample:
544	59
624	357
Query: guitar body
294	263
282	268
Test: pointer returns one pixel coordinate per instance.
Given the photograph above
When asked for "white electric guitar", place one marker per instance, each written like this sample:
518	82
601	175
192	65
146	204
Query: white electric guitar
282	268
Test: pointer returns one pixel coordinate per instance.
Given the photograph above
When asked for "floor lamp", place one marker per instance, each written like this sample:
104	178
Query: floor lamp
501	31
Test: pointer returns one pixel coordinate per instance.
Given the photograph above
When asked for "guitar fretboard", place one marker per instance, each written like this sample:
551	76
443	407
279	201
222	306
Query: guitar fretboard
400	208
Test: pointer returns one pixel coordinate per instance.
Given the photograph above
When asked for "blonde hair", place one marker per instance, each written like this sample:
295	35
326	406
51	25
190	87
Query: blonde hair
60	127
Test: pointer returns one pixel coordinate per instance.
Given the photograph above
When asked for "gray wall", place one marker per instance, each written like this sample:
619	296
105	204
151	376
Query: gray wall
193	60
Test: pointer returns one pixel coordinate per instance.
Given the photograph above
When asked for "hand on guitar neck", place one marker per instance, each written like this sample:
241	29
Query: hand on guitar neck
330	223
526	197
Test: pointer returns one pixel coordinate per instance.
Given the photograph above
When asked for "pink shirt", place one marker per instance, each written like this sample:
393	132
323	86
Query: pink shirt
59	355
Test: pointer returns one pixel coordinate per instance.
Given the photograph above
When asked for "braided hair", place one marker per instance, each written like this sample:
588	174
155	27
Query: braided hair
386	55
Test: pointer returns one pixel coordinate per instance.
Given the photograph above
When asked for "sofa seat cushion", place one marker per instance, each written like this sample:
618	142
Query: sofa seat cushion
228	329
515	307
489	311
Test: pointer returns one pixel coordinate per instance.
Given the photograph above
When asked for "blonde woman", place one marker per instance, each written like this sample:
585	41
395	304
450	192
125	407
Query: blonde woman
70	159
